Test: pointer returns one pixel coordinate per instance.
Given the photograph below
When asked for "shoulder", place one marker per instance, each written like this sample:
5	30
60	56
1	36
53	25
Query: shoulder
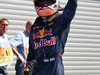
25	34
18	36
17	40
38	20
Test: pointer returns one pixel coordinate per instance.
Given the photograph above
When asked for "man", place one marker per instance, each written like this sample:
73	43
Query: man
6	55
48	37
21	42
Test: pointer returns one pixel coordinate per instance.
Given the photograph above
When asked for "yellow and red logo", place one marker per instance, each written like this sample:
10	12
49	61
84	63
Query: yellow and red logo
42	33
6	55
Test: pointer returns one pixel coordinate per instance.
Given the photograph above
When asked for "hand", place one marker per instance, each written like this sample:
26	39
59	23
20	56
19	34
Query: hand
22	59
31	66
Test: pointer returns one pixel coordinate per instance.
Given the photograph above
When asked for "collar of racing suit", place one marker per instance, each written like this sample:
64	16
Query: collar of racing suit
50	18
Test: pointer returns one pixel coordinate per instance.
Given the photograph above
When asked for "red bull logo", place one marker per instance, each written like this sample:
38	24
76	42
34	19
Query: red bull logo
45	42
42	33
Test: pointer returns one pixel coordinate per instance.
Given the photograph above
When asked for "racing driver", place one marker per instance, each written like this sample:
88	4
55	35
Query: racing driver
48	37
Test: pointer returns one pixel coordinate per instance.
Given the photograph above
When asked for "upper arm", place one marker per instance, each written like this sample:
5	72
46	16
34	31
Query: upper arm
17	40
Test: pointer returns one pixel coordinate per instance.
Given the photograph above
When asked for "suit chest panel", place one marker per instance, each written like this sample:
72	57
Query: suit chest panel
43	36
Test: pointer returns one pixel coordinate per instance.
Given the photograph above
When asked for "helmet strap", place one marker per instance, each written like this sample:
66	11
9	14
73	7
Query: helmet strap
50	18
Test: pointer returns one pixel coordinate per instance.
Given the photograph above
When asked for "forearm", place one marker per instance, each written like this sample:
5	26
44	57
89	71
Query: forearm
18	55
15	51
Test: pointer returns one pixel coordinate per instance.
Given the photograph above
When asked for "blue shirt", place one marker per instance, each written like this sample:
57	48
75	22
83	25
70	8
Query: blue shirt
18	43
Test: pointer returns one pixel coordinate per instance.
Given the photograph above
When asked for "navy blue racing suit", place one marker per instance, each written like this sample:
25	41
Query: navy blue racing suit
47	42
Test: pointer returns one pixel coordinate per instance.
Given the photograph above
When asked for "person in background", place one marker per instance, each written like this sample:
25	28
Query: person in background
48	37
20	44
6	54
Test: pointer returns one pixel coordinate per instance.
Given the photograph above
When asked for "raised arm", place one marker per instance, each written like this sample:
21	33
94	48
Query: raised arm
68	13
